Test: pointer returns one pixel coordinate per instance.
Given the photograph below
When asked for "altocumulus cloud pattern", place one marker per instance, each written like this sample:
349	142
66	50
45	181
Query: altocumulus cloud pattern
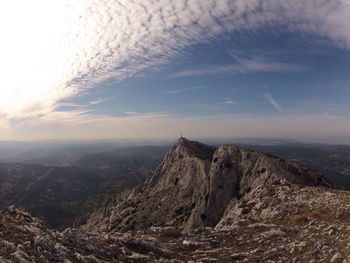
56	50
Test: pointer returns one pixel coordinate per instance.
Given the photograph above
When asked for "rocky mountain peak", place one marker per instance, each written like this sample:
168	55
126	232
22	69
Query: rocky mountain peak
197	186
184	147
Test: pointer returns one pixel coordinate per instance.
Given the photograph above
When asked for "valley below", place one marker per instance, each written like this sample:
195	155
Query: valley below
64	194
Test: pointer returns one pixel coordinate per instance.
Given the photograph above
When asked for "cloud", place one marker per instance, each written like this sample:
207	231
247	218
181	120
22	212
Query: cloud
273	102
98	101
243	66
71	104
131	113
82	105
229	101
182	90
53	50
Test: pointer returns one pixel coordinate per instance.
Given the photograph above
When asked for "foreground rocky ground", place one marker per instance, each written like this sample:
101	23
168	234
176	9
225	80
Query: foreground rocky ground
307	225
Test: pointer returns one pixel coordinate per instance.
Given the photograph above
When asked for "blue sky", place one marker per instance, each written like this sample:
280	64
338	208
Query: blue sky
210	69
300	73
295	74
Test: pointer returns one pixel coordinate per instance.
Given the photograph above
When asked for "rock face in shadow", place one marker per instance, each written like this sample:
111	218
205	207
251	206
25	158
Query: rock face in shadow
197	186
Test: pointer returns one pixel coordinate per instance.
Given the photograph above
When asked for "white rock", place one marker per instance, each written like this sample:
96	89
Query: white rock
11	209
273	233
336	257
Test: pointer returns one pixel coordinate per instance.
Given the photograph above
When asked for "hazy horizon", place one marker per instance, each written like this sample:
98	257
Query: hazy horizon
12	150
169	140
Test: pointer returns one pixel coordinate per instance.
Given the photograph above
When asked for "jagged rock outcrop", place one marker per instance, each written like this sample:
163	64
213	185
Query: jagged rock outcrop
196	185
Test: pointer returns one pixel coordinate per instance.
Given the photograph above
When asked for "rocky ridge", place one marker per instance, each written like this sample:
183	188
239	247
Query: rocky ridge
199	186
25	239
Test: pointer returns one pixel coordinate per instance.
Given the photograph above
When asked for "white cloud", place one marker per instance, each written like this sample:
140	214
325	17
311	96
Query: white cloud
82	105
174	91
52	50
243	66
273	102
71	104
98	101
131	113
229	101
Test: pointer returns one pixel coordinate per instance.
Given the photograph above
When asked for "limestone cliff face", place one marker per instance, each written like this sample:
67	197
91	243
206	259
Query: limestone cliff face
237	172
196	185
174	196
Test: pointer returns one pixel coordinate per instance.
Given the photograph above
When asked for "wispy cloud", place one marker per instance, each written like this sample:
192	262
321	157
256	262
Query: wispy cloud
84	42
243	66
174	91
229	101
82	105
273	102
131	113
71	104
98	101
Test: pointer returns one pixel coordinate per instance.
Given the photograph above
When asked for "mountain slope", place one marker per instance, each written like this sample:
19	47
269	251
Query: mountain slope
331	160
65	195
196	185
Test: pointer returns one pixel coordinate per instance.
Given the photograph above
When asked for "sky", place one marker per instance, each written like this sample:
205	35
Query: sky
127	69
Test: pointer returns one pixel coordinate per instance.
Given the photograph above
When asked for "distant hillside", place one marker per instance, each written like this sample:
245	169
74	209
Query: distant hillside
64	195
331	160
